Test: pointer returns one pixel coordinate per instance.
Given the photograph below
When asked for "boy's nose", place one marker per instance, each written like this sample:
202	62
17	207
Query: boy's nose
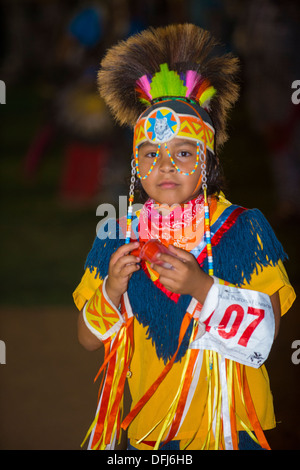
164	162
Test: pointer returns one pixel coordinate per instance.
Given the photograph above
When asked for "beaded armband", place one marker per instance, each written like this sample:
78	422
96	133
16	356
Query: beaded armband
101	316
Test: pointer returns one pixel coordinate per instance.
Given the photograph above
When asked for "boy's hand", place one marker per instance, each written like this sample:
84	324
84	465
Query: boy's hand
186	277
121	267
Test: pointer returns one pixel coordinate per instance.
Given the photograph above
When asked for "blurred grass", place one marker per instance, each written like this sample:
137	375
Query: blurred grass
44	243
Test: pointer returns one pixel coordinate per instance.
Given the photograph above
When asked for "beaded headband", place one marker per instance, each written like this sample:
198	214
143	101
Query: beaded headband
170	118
174	118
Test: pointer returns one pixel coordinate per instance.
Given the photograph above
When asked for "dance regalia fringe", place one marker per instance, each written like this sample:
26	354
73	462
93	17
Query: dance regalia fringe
151	305
118	350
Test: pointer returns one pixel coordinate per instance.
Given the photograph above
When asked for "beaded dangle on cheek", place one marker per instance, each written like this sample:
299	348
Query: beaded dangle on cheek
207	232
177	168
130	200
136	157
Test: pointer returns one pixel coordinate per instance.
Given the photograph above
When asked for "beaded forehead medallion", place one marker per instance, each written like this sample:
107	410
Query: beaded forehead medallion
162	125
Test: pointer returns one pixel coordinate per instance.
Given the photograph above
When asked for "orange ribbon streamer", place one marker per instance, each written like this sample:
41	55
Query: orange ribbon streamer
110	362
182	400
253	416
140	404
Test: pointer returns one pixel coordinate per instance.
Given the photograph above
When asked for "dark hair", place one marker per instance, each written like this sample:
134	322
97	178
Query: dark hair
214	173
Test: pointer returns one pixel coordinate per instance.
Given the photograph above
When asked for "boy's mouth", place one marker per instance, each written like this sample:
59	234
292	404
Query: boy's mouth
167	184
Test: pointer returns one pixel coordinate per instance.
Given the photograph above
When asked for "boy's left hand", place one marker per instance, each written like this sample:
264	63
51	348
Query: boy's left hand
186	277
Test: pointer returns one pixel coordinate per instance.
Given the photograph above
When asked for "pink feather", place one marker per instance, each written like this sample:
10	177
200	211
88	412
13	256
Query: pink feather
192	81
144	85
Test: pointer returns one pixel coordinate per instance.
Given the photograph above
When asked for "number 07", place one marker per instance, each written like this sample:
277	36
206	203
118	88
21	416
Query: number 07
246	335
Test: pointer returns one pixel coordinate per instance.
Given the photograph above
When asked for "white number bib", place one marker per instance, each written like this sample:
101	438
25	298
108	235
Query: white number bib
237	323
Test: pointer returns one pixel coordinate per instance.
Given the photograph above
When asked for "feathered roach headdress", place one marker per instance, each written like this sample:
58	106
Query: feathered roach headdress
133	74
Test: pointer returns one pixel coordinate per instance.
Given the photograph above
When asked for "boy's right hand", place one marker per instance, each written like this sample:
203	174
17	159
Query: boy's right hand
121	267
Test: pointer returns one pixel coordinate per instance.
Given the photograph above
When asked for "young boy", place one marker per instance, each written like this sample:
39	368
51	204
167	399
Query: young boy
191	329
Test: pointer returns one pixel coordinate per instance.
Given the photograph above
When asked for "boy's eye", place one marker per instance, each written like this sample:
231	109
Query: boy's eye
183	153
151	155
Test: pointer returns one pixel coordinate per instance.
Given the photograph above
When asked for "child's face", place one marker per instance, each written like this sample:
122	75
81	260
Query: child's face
165	184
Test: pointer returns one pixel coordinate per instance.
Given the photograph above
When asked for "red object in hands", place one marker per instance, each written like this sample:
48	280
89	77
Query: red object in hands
150	251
